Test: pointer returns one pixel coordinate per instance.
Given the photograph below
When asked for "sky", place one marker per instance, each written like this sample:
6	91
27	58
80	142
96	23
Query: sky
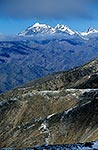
17	15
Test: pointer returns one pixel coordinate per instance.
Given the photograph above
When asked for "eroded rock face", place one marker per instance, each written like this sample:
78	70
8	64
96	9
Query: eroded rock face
29	117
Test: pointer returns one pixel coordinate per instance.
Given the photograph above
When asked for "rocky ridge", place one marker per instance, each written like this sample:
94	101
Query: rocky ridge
81	78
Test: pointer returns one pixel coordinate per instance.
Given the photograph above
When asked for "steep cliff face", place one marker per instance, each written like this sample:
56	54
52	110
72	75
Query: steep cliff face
30	118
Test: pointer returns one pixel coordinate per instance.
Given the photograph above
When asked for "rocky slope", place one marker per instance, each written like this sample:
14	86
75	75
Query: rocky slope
29	118
61	108
50	111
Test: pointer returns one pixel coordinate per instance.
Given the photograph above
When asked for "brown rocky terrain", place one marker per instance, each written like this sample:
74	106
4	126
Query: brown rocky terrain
30	117
50	111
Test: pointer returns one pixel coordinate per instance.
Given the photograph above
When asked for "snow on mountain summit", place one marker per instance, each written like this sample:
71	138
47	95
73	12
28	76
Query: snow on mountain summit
89	31
59	29
38	28
64	29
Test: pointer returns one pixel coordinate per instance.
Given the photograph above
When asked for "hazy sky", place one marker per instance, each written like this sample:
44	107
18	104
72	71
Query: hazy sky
16	15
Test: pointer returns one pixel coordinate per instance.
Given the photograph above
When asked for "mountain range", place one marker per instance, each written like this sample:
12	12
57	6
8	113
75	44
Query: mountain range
42	50
59	29
49	86
52	111
46	29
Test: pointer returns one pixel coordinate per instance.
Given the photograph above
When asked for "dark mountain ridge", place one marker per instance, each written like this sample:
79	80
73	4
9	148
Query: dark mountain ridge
27	59
82	77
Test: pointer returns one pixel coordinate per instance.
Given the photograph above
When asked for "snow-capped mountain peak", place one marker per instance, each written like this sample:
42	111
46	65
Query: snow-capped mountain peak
90	31
59	29
38	25
38	28
64	29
